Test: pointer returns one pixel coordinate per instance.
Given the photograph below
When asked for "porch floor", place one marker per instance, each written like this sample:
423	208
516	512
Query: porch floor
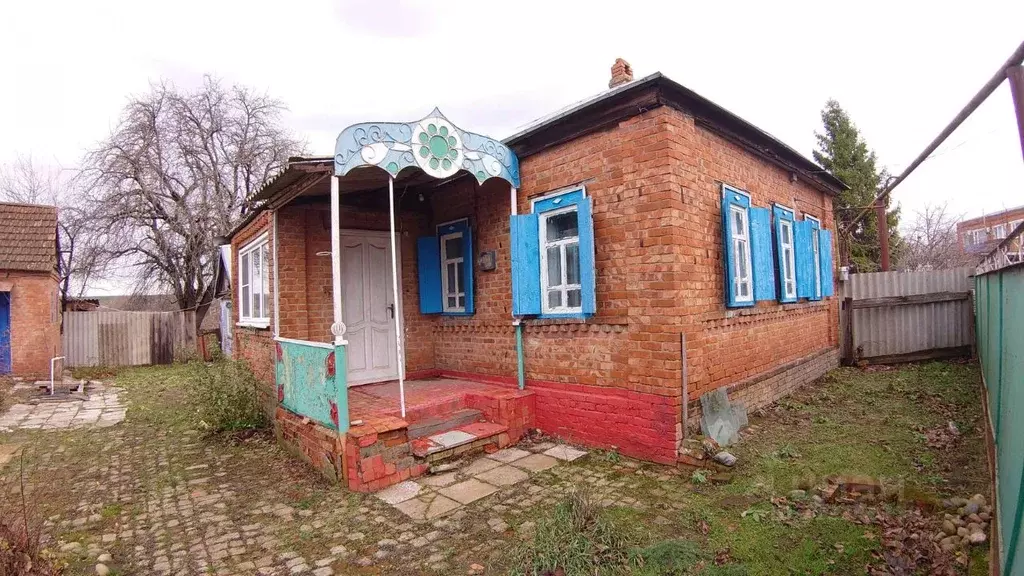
424	398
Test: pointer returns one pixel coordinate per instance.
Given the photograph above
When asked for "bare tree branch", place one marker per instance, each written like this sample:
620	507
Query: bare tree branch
931	242
178	171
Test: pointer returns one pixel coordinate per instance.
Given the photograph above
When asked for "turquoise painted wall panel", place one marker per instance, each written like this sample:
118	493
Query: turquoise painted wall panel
308	382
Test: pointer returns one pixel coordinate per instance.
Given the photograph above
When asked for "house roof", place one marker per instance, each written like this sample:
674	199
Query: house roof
28	237
598	112
634	97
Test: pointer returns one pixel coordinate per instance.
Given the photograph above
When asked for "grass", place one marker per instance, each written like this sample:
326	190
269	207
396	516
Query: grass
608	514
853	422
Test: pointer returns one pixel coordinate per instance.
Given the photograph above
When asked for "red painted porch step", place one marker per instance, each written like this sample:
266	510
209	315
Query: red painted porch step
438	424
458	440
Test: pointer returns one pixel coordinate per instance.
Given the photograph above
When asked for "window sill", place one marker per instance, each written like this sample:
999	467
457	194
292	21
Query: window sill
259	325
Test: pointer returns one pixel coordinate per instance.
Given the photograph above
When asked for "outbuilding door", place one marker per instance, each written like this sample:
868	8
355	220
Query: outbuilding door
369	306
5	332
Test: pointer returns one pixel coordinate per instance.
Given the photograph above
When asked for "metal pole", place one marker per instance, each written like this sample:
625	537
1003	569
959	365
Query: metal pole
338	327
883	233
1015	76
1015	59
517	322
394	291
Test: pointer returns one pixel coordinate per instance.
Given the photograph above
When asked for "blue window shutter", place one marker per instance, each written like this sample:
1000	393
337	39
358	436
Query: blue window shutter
825	250
588	275
525	231
804	256
761	254
428	261
467	266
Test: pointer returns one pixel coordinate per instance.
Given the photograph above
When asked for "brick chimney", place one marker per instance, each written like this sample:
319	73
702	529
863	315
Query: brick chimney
622	72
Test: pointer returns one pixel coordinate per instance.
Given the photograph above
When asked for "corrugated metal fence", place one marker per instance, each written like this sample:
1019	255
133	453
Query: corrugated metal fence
999	289
110	338
893	316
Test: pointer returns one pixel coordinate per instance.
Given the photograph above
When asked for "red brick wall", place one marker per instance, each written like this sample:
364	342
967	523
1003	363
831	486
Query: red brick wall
256	345
35	322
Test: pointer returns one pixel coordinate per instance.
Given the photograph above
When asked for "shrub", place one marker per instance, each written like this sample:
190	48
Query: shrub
226	396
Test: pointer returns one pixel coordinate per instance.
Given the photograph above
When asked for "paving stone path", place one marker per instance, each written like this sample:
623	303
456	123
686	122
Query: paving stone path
102	408
162	499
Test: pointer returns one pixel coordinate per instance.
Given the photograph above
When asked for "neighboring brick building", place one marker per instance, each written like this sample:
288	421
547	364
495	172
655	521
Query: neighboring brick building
667	223
979	236
29	294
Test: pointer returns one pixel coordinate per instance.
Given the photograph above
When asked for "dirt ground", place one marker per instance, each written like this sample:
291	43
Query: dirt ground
160	497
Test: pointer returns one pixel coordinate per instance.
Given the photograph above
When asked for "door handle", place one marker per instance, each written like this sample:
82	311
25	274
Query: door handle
391	310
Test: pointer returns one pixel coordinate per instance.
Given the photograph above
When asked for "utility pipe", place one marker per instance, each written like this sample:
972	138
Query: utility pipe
517	322
52	363
338	328
394	292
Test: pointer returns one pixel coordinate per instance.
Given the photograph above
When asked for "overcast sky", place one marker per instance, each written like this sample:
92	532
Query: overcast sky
901	69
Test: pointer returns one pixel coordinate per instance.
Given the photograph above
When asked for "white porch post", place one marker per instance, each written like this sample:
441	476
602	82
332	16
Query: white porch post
337	328
397	303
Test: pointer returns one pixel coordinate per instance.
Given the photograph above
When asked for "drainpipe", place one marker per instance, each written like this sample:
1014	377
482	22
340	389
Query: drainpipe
517	322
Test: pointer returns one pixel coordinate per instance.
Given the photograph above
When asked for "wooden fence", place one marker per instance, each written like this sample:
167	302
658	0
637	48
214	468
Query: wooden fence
109	338
905	316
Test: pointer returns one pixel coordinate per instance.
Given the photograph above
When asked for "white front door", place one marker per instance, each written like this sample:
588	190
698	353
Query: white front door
368	306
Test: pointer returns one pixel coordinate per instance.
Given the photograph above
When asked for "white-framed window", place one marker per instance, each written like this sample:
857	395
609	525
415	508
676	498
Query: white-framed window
743	288
561	290
816	253
788	259
452	272
999	231
254	283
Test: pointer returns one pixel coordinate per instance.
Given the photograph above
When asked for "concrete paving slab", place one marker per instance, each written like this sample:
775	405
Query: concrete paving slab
399	492
482	464
567	453
509	455
503	476
452	438
468	491
437	480
536	462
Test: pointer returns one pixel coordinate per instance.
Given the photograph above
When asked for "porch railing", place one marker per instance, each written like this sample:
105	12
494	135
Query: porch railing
308	383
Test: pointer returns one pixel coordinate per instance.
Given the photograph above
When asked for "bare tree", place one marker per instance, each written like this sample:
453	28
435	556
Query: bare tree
931	240
178	170
27	182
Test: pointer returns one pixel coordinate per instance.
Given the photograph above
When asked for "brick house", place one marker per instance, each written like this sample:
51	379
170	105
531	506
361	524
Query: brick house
591	276
29	293
979	236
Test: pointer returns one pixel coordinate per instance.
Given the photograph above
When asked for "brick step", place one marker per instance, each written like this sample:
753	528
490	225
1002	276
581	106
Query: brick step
437	424
459	441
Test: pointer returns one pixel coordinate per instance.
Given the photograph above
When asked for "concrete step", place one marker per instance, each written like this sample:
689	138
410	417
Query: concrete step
459	441
438	424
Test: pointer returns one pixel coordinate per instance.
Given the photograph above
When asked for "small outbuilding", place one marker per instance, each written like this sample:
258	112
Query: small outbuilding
29	289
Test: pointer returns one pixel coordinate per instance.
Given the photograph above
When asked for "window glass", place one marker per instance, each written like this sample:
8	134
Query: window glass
554	266
453	247
574	298
453	271
561	226
572	265
554	298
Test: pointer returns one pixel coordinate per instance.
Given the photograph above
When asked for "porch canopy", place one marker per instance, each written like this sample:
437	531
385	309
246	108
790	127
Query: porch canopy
428	149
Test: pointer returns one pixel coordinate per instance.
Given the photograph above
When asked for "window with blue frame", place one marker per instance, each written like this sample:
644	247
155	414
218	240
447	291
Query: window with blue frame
445	263
786	253
749	260
813	259
553	257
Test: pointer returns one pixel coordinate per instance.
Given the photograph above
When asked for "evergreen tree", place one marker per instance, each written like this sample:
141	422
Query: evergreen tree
843	152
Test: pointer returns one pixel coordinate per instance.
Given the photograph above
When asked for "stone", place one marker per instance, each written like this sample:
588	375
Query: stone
424	509
536	463
566	453
948	527
324	571
399	492
797	494
468	491
387	543
509	455
102	570
476	569
452	438
71	547
977	537
339	550
971	508
364	561
962	532
104	558
503	476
